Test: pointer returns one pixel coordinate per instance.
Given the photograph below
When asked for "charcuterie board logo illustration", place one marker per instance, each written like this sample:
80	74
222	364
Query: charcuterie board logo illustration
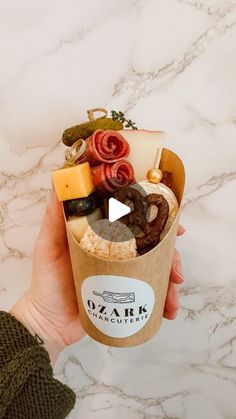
116	297
118	306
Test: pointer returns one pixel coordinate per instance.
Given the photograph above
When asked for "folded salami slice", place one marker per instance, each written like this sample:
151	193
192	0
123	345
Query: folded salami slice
109	177
106	147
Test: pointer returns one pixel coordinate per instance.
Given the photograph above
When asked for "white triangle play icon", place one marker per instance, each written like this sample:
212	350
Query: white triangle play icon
117	210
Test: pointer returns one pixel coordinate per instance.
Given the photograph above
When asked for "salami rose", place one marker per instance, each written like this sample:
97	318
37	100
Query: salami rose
106	147
109	177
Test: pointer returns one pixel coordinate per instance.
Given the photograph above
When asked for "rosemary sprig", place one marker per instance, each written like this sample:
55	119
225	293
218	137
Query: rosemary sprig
119	116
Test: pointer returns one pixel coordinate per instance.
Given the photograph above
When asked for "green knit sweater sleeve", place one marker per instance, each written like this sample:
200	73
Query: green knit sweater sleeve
27	386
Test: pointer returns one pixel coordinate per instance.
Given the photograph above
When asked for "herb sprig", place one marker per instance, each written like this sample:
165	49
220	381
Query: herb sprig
119	116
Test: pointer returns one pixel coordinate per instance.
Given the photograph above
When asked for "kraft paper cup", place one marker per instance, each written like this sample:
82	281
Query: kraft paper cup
121	303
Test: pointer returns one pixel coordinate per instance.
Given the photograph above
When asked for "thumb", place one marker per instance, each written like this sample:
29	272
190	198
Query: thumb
52	236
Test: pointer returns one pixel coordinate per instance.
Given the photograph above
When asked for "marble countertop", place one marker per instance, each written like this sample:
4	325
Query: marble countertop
170	65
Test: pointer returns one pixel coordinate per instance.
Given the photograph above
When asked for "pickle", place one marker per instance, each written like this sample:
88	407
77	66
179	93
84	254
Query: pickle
83	131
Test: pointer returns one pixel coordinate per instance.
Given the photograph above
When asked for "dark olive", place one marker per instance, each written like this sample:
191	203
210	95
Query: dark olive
81	206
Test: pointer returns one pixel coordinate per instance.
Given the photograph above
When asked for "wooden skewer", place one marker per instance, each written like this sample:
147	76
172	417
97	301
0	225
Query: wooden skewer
158	158
154	175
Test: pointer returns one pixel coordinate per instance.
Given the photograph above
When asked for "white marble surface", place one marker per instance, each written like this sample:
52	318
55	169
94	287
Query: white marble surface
170	64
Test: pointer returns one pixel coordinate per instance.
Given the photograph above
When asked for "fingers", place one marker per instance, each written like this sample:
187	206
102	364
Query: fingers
172	302
181	230
172	299
176	277
176	274
170	315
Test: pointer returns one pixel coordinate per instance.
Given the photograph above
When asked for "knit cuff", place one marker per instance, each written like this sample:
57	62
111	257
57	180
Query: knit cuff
14	337
27	386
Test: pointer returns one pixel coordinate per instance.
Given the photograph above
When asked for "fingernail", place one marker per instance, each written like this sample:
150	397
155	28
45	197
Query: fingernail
178	270
182	229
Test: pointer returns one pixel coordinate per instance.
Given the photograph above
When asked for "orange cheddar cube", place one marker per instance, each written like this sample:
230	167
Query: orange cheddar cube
73	182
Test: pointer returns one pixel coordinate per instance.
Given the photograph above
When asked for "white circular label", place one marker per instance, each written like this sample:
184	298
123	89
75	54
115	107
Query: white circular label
118	306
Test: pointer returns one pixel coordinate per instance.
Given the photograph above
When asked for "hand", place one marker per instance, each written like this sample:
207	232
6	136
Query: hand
49	308
176	277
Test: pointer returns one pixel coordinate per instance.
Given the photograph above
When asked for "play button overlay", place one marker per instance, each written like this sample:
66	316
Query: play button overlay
117	210
112	227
